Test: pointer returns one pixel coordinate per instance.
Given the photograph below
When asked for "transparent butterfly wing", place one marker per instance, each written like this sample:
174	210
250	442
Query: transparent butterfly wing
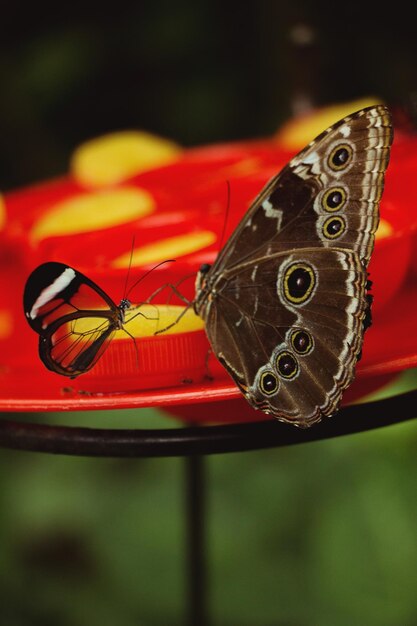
74	317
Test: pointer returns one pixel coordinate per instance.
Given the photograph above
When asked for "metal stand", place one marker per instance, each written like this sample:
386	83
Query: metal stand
202	440
196	544
194	442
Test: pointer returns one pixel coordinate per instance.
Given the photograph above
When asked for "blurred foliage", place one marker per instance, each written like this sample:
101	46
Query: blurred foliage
314	534
193	71
320	533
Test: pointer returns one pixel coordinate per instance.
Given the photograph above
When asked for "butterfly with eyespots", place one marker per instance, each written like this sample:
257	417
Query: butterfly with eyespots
286	303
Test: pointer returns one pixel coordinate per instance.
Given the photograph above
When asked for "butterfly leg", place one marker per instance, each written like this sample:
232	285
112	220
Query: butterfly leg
134	343
175	322
147	317
174	290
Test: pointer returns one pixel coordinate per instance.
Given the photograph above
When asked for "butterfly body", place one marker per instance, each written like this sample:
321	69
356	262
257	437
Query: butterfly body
56	298
286	302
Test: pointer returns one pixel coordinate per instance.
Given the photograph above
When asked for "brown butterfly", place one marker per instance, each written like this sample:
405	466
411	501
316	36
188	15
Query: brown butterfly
286	302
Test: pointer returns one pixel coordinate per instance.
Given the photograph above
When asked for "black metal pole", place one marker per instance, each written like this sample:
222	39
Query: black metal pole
196	554
20	435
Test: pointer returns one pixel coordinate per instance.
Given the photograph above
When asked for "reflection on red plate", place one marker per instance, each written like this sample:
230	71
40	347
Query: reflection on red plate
190	197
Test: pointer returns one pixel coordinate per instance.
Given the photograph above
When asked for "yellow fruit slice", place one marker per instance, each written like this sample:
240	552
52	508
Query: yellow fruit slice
169	248
2	213
299	131
115	157
384	229
93	211
6	324
153	318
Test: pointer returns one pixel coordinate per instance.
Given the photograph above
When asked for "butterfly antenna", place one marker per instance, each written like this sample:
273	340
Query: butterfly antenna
226	218
146	274
125	292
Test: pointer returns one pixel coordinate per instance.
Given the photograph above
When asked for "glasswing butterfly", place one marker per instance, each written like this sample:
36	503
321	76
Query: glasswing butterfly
75	319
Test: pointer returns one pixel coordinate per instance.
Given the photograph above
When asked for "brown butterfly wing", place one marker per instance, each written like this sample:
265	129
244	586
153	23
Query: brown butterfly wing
286	303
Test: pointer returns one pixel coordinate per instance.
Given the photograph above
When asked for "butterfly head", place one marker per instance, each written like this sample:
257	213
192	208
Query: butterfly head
201	286
204	268
125	304
202	276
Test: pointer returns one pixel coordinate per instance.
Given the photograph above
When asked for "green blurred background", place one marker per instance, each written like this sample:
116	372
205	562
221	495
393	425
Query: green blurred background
321	533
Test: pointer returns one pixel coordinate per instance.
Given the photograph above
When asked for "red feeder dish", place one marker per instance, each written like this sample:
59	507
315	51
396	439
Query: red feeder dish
178	211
